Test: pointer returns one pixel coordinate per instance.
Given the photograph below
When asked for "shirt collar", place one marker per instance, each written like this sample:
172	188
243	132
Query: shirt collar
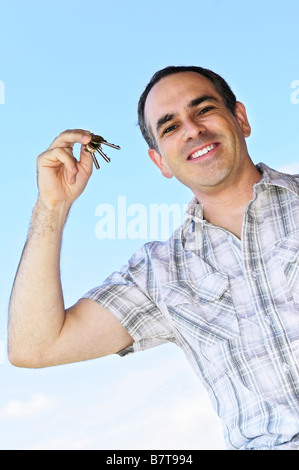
272	177
192	237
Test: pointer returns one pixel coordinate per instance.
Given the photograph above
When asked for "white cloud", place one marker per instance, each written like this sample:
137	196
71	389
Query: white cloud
18	409
142	405
159	407
187	422
62	443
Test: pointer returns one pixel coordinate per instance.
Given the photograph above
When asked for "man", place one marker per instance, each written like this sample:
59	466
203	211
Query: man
224	287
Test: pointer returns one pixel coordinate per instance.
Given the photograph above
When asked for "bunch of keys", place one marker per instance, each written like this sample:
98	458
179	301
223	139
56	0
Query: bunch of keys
95	146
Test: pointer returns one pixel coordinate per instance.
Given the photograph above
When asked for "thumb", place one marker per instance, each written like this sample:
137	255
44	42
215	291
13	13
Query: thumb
86	159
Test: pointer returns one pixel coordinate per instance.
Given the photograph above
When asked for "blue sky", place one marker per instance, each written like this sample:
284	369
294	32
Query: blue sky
72	64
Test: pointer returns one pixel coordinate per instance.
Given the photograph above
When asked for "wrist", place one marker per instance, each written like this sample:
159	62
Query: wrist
58	209
48	221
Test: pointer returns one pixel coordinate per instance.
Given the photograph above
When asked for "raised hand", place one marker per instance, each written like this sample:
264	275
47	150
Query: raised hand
61	177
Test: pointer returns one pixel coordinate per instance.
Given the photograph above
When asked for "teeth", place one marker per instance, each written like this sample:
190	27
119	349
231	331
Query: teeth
202	152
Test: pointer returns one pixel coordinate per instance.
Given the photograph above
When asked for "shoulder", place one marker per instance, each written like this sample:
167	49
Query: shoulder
281	178
157	249
155	256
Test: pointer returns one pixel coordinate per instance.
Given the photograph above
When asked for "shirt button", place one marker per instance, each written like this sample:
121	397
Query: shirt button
285	367
268	319
254	274
196	297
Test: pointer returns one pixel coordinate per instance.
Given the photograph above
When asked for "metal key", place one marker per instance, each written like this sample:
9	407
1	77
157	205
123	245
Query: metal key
95	146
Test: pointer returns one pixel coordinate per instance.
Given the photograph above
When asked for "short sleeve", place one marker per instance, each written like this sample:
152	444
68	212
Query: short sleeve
134	308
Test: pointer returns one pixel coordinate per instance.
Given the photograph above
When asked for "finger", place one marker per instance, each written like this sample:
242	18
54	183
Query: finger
57	157
86	160
68	138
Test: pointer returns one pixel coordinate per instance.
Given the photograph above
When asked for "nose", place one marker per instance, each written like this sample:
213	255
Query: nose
192	129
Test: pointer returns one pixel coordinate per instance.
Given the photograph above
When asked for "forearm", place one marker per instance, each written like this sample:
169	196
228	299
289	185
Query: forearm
37	312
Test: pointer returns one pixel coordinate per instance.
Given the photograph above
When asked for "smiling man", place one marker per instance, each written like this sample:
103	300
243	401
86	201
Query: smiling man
224	288
201	142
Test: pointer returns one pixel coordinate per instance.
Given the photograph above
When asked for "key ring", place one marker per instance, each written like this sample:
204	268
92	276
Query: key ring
95	146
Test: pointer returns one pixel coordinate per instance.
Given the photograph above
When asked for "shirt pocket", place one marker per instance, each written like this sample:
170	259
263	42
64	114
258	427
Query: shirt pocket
203	312
287	254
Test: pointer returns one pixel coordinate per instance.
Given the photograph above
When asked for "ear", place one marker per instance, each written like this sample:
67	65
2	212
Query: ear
241	116
159	162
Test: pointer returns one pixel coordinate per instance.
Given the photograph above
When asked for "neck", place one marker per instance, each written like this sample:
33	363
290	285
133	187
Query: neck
223	206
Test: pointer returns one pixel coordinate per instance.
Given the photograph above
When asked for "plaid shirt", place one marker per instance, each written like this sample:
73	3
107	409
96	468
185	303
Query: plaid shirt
232	306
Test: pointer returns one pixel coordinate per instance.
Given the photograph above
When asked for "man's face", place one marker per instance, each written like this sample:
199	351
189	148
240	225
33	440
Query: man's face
199	141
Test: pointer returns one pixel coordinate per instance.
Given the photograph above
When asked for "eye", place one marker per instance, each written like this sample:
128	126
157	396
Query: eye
206	109
169	129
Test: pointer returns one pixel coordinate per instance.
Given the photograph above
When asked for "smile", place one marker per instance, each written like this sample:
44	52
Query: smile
203	151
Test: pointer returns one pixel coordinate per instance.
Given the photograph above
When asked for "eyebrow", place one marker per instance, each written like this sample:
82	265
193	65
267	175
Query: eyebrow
192	104
200	99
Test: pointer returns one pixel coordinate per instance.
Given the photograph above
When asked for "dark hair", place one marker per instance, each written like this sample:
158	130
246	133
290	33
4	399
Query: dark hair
219	83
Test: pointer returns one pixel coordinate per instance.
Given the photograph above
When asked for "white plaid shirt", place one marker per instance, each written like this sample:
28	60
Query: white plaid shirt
233	307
